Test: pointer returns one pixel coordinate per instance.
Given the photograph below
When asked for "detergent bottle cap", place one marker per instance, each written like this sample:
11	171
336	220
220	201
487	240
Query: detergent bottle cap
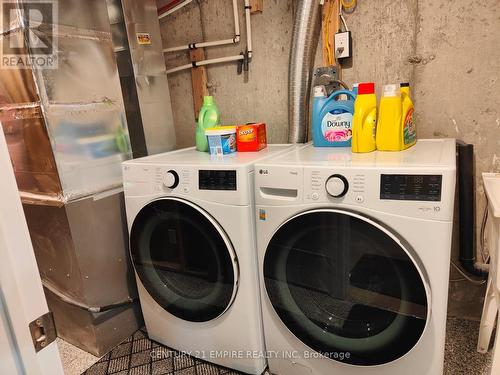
405	84
366	88
391	90
319	91
208	100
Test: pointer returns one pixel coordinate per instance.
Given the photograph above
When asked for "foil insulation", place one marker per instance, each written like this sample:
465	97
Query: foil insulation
305	37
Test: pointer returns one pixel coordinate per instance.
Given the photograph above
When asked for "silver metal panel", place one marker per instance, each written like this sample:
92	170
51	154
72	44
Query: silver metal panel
86	72
87	15
54	249
31	152
94	333
82	246
89	142
100	235
150	73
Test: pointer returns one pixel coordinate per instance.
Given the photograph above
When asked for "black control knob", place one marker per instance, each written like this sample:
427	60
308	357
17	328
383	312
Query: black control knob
337	186
171	179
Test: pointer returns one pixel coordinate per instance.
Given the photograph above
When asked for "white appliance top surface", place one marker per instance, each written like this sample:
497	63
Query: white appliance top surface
189	156
492	189
426	153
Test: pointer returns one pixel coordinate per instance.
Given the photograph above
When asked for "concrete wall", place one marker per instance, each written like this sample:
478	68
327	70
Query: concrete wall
448	50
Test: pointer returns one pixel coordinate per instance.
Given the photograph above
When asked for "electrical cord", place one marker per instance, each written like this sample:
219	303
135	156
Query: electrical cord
484	248
465	276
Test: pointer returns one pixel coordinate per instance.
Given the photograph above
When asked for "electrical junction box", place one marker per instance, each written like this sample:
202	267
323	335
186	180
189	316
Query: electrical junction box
343	45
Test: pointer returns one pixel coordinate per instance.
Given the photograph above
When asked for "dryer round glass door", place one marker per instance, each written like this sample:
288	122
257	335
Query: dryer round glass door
184	260
346	287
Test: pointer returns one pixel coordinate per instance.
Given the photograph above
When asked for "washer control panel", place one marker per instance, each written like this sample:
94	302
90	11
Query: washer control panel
328	185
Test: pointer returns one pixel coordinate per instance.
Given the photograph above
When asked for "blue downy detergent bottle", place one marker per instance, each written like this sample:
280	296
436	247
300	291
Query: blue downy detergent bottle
332	118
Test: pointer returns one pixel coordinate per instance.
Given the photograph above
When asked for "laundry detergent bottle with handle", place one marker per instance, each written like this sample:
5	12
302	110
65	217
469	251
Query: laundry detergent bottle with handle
389	129
209	117
364	121
409	128
332	118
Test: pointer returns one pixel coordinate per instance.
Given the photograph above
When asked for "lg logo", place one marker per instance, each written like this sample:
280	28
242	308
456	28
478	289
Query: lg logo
263	171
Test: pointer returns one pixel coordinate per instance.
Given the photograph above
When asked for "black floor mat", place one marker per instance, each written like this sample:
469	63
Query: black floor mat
138	355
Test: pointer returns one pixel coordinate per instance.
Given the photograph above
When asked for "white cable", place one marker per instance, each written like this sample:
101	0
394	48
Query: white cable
466	277
343	21
484	247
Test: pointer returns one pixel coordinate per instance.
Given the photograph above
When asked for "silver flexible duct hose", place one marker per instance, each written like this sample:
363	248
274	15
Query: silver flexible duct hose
305	37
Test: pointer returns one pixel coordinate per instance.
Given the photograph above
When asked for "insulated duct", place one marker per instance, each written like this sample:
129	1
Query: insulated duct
467	204
305	37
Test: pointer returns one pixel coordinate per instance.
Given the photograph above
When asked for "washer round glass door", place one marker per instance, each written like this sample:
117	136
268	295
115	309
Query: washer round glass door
346	287
184	260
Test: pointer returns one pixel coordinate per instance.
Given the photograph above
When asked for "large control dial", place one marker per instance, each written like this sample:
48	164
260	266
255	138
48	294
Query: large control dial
337	186
171	179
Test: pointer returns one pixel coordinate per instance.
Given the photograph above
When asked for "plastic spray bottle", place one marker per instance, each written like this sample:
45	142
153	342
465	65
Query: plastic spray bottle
209	117
364	121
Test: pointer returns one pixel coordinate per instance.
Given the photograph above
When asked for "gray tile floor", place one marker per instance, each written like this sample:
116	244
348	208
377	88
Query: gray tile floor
133	357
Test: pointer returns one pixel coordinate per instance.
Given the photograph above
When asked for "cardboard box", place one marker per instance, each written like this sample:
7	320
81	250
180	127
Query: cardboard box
251	137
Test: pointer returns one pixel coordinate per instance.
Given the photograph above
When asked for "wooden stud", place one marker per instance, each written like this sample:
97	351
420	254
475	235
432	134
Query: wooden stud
257	6
198	80
333	26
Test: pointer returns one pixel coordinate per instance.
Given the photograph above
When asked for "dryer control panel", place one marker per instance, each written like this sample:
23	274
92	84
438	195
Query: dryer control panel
415	192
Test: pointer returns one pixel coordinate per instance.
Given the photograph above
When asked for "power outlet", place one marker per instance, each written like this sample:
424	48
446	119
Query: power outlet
343	45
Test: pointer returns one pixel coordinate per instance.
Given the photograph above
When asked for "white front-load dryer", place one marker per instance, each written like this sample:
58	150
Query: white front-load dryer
192	242
354	254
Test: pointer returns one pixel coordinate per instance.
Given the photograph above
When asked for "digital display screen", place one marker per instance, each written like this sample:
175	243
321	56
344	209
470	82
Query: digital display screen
217	180
411	187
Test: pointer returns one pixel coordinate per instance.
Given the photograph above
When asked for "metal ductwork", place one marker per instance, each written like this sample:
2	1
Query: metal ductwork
305	37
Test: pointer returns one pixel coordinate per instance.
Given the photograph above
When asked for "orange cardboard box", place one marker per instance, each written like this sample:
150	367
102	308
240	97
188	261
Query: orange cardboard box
251	137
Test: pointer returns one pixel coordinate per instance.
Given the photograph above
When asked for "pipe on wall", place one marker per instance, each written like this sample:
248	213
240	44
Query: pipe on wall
305	37
467	208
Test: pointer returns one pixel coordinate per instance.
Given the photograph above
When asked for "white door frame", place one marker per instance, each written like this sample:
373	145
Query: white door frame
21	293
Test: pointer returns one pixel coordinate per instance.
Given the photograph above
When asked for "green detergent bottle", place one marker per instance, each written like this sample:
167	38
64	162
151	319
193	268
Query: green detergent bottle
209	117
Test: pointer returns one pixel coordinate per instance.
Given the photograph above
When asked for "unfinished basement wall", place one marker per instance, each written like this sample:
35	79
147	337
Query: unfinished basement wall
448	50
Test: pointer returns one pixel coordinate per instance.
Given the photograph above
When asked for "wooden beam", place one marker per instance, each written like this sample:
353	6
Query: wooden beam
330	26
198	80
257	6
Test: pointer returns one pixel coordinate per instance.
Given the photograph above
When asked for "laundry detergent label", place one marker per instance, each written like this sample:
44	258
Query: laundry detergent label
337	126
409	131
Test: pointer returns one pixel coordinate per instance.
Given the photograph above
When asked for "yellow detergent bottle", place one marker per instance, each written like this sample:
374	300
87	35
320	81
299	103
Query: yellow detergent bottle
409	128
364	121
389	129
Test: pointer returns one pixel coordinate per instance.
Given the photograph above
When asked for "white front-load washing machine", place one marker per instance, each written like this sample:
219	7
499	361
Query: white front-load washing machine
192	242
354	254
